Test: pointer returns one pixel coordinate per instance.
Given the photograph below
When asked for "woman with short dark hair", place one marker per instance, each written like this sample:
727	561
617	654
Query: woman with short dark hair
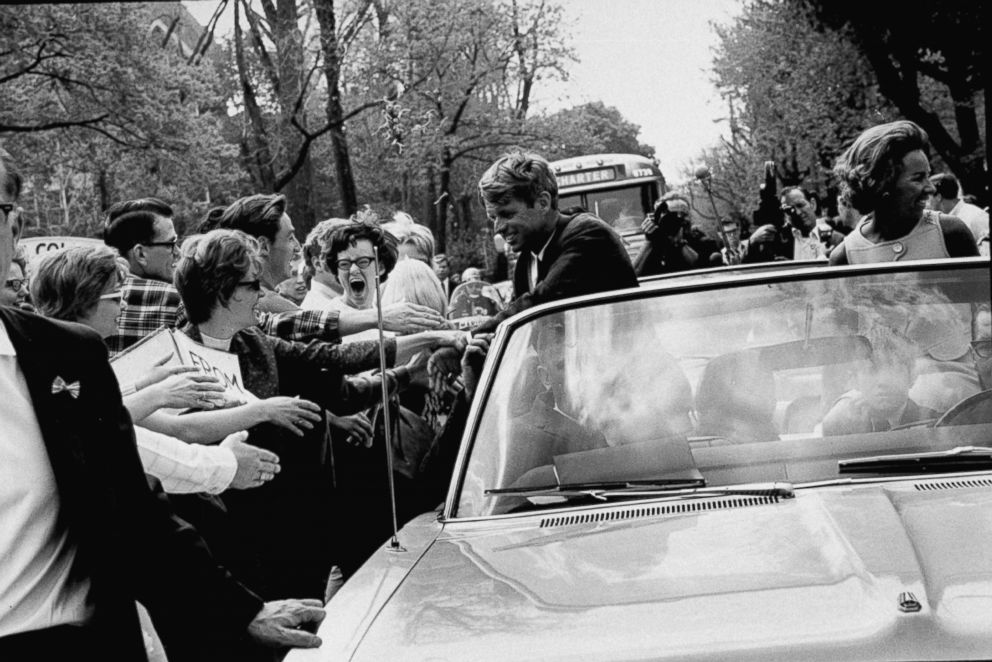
885	175
288	537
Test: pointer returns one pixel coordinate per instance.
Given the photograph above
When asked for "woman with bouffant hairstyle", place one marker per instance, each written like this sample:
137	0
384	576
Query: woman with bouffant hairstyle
885	175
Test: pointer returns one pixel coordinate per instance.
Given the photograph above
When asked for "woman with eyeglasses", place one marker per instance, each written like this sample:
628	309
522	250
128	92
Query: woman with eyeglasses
288	532
83	284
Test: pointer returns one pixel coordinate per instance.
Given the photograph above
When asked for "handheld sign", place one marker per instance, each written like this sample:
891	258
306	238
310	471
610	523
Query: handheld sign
36	248
475	299
222	365
136	361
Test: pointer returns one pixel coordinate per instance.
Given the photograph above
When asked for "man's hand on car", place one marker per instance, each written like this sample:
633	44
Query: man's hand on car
281	623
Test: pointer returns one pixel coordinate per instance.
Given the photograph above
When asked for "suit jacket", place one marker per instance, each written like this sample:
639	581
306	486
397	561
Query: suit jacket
585	256
129	543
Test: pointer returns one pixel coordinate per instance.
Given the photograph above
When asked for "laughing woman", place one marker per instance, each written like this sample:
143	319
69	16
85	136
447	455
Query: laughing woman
885	175
285	533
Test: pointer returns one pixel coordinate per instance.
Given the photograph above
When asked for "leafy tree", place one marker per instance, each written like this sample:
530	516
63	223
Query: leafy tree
914	47
592	128
801	82
97	109
797	93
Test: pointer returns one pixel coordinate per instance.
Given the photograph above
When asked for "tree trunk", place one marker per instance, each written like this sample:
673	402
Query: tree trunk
290	71
255	148
335	113
443	201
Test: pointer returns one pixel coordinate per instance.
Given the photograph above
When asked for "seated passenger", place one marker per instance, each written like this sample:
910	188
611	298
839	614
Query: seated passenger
881	400
736	399
548	428
946	373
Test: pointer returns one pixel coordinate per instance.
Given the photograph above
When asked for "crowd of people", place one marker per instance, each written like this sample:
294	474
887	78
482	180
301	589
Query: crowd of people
890	208
253	512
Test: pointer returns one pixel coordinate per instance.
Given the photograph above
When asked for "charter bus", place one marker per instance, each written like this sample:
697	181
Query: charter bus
619	188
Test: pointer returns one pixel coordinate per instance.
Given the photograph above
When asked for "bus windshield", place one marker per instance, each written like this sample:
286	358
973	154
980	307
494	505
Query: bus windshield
619	188
622	208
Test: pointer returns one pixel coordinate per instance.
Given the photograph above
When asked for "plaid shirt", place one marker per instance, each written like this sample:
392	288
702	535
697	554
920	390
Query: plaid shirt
150	304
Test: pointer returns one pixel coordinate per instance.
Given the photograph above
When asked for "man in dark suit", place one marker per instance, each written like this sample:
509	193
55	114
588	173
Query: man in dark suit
560	255
82	536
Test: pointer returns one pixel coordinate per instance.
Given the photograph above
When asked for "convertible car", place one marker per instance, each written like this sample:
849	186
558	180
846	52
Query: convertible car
777	465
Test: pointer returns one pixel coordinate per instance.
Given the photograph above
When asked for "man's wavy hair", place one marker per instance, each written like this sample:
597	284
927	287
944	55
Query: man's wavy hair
518	176
869	167
256	215
210	267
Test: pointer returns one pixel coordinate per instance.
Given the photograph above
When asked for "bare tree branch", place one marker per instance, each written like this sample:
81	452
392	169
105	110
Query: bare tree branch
48	126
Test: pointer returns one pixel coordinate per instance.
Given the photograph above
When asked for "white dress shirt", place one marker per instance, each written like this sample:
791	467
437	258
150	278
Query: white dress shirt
36	553
185	468
536	259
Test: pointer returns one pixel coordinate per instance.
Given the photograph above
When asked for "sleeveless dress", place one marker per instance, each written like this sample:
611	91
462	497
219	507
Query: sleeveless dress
924	242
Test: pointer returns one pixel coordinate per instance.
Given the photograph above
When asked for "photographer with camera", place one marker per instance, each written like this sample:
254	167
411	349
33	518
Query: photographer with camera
796	235
672	244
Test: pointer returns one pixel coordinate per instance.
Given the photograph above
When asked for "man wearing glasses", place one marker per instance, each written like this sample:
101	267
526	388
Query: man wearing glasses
143	233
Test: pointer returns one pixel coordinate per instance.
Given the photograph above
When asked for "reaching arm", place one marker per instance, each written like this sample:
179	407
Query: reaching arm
185	468
302	325
208	427
398	317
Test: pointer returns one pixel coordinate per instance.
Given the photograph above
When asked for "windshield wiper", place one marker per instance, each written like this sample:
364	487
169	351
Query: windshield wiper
673	489
962	458
775	489
594	488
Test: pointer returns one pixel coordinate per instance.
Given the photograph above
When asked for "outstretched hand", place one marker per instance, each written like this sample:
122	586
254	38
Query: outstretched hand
295	414
189	391
473	360
356	429
161	371
256	466
442	366
417	367
278	624
405	318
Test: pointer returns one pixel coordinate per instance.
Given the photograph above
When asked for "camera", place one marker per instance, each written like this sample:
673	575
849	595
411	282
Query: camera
670	222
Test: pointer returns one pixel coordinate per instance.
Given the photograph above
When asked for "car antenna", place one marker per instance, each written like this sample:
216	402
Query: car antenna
387	427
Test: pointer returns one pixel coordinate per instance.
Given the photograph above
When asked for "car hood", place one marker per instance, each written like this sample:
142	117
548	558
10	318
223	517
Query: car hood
820	576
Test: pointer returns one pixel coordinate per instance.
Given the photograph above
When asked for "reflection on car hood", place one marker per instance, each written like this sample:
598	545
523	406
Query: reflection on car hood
817	577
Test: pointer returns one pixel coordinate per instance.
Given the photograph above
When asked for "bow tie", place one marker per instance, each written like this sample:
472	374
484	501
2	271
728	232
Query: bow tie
59	386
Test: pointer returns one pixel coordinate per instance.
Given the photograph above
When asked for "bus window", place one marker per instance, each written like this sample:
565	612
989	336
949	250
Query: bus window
621	208
566	201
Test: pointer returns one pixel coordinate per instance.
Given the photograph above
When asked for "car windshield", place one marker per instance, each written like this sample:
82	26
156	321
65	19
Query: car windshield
772	381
